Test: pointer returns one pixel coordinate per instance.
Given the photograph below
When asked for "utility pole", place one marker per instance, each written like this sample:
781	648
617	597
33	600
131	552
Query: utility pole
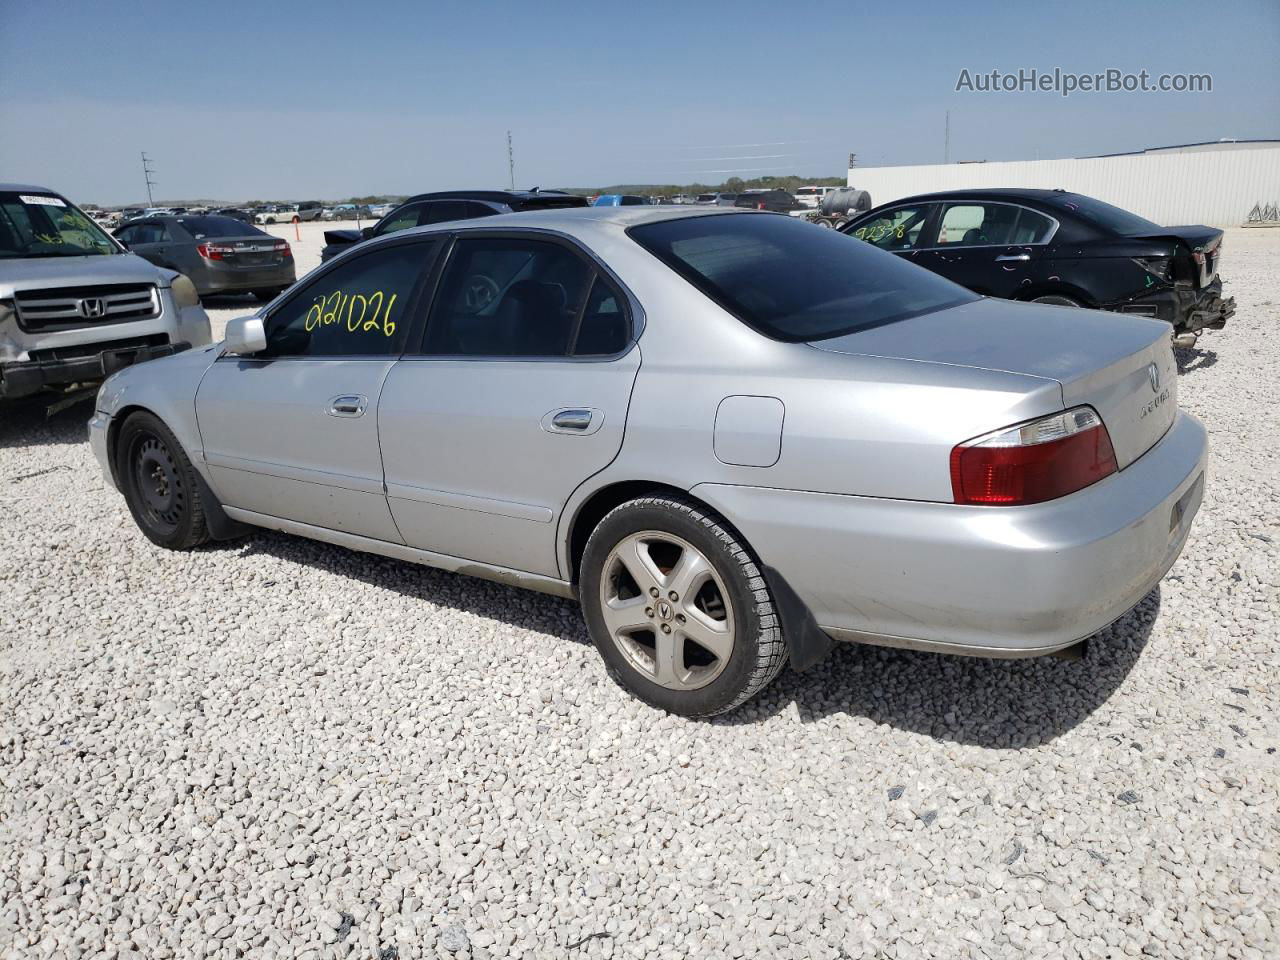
511	161
946	140
147	171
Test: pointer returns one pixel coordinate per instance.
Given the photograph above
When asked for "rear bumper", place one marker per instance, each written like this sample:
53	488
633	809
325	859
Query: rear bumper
1186	310
26	377
214	281
991	581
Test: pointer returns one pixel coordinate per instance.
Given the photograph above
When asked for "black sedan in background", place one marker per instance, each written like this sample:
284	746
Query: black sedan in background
1051	246
218	254
449	205
777	201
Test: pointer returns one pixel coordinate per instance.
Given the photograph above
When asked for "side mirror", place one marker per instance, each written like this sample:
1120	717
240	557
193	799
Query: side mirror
366	233
244	336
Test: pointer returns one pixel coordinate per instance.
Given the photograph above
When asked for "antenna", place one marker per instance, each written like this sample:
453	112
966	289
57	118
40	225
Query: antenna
147	171
511	161
946	140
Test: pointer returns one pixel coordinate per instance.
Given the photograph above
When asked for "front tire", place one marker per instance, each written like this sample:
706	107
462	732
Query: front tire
678	607
159	484
1057	300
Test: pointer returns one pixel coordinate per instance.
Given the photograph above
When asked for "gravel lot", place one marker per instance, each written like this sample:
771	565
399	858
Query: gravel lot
277	748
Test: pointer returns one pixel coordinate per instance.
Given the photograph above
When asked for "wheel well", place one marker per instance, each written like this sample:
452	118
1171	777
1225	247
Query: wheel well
113	432
1055	289
600	503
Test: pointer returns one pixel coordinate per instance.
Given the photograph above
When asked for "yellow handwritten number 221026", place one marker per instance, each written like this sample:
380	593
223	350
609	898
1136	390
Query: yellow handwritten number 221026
339	307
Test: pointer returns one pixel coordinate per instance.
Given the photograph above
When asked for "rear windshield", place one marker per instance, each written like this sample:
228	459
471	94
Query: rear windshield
795	281
42	225
200	227
1104	215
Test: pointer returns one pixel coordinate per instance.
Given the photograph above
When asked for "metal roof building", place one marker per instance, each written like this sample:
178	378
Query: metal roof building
1216	183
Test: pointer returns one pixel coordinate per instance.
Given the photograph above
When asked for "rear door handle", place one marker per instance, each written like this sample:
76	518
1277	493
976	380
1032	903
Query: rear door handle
349	405
578	421
1010	257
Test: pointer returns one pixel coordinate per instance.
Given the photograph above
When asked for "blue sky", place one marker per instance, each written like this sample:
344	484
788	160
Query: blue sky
326	100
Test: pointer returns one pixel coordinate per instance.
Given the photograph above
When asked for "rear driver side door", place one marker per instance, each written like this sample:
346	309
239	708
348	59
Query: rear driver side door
517	395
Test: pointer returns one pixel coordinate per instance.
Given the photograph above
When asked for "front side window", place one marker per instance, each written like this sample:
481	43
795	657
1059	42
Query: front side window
795	281
357	309
508	297
40	225
896	229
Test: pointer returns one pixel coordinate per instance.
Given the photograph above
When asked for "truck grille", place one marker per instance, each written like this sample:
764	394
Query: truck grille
65	308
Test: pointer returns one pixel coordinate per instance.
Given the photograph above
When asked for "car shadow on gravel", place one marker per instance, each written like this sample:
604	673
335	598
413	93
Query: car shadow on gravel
25	423
967	700
523	609
1191	359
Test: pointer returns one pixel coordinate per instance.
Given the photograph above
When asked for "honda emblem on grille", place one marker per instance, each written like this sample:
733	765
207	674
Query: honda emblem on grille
92	308
1153	374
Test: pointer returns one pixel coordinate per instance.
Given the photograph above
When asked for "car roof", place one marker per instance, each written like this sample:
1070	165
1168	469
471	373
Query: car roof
25	188
493	196
993	193
577	219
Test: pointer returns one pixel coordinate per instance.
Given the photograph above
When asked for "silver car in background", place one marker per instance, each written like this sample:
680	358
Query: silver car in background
75	306
733	436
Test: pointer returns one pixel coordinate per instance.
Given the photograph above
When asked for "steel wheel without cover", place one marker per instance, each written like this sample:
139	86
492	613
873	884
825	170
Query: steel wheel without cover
667	610
159	482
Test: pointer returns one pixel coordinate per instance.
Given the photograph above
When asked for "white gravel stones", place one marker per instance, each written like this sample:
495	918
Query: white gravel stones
276	748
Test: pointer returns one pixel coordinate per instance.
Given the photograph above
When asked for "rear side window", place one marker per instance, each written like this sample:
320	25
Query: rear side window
356	309
977	224
795	281
511	297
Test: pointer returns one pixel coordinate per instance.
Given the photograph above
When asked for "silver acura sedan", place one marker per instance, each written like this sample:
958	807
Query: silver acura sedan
733	436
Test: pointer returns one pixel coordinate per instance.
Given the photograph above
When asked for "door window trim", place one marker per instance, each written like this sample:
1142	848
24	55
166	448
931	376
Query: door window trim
634	315
413	302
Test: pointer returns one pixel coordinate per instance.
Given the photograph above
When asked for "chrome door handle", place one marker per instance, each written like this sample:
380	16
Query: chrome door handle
1009	257
348	406
577	420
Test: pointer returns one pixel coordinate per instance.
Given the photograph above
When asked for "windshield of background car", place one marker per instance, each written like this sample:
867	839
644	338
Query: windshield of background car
40	225
1104	215
201	227
795	281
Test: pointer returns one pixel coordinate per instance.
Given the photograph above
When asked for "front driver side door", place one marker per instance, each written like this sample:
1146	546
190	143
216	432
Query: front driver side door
292	432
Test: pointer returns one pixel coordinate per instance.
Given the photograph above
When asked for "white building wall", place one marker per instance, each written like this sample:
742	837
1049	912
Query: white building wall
1213	187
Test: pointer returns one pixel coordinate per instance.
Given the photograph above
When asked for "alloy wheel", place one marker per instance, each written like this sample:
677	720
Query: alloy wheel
667	610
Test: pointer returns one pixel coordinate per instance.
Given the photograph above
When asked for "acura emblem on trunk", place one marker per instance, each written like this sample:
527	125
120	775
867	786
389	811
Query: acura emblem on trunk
91	308
1153	374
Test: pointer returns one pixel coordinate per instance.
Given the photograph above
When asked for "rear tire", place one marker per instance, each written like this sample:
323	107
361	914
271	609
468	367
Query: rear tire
1057	300
695	655
159	484
268	295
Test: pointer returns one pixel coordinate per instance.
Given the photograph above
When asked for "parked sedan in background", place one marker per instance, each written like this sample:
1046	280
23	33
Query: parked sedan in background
428	208
867	451
218	254
775	201
1051	246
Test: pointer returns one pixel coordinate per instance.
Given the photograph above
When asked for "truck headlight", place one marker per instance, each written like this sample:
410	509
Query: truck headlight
184	292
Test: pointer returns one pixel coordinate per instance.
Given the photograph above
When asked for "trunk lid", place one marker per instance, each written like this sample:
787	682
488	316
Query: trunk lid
1122	366
250	251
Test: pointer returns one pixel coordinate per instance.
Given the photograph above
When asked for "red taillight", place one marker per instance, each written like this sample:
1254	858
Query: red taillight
760	205
214	251
282	248
1033	462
